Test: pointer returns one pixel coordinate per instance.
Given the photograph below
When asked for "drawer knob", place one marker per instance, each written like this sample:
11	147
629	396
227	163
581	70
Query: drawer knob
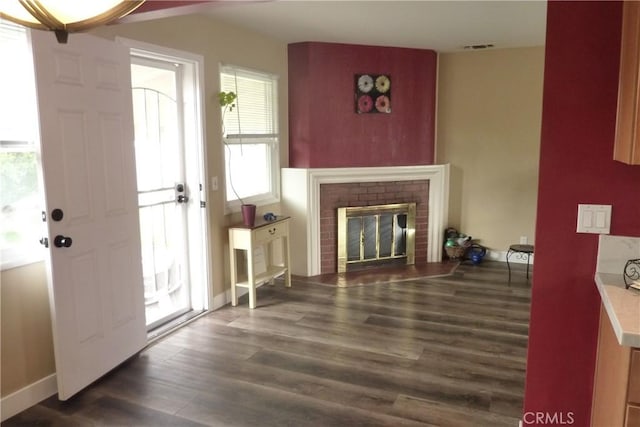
272	231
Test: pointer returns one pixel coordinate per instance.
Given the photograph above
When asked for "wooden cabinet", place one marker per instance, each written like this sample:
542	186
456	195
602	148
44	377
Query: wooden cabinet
632	418
616	388
249	239
627	143
634	378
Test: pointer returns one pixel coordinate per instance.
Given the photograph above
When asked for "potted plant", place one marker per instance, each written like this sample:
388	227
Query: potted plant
227	101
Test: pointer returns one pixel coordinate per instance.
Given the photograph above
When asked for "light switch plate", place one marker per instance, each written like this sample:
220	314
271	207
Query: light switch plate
594	219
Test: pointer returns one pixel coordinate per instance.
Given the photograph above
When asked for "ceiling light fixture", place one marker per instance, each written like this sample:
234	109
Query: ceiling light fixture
65	16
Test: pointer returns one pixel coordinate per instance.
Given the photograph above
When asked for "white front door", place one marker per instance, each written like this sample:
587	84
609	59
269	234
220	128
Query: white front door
89	178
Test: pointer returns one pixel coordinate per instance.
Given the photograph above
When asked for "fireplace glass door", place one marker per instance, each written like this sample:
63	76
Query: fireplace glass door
374	237
375	234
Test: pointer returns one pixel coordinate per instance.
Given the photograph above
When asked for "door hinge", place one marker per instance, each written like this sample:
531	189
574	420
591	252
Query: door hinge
203	204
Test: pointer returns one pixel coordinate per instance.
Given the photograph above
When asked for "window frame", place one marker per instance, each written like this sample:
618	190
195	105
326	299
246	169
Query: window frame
29	252
270	141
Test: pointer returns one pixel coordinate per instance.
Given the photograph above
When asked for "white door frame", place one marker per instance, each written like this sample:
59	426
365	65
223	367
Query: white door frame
193	113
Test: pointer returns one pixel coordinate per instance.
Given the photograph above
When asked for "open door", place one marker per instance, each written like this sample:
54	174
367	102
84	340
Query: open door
89	180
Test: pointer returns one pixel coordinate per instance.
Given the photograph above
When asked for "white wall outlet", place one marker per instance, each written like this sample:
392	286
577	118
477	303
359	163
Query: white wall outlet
594	219
214	183
524	240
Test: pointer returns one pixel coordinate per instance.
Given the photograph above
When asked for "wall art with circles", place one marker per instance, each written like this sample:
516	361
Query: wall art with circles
373	93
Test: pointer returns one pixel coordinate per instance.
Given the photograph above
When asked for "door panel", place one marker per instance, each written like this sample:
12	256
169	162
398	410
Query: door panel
114	162
88	164
86	297
74	159
122	295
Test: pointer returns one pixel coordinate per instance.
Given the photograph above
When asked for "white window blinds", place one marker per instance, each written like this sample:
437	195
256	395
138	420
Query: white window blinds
254	116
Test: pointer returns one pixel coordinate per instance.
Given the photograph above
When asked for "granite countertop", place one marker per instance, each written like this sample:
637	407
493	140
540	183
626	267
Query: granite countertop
622	305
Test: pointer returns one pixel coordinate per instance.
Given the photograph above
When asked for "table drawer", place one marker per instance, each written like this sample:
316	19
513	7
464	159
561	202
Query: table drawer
270	232
633	395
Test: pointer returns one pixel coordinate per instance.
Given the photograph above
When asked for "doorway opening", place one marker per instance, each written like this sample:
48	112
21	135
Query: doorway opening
170	176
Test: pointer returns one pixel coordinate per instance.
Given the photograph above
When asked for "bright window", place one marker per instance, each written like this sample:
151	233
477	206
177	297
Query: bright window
250	137
20	201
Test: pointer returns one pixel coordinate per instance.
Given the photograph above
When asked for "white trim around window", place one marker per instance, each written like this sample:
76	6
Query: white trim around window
251	148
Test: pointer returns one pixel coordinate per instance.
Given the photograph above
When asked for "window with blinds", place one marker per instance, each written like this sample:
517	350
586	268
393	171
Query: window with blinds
250	137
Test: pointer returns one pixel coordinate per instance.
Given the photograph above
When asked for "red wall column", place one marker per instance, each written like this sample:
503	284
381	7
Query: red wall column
576	166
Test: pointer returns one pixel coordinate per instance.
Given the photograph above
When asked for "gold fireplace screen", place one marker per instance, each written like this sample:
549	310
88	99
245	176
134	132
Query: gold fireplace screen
375	234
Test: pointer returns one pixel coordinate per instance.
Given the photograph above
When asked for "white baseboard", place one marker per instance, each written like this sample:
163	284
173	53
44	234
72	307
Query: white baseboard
224	298
502	256
28	396
221	300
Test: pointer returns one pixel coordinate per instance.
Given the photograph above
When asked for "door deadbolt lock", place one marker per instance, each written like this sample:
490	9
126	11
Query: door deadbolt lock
181	193
57	214
62	242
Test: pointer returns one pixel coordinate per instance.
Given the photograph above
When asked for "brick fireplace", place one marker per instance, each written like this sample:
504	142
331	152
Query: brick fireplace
334	196
310	197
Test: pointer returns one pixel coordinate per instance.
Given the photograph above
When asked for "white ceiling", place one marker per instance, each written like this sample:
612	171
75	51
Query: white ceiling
444	26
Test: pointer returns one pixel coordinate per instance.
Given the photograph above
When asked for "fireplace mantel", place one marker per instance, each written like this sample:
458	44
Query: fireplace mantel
301	201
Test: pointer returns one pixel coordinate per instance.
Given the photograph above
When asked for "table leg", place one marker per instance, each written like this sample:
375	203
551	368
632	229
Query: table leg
287	261
509	266
269	256
234	275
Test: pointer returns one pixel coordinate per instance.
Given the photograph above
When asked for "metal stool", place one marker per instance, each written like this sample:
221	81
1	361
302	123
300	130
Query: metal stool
522	250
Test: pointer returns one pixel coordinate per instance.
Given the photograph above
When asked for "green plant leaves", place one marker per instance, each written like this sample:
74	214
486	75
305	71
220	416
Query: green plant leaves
227	99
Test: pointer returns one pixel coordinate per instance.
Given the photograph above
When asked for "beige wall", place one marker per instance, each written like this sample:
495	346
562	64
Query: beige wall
218	43
489	115
26	344
27	352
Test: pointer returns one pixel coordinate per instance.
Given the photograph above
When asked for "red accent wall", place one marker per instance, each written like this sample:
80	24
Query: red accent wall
324	129
576	166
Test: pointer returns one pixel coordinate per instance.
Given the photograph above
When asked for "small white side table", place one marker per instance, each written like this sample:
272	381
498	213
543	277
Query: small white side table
246	238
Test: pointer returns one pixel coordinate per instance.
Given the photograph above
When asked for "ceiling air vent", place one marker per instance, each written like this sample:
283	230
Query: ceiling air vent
478	46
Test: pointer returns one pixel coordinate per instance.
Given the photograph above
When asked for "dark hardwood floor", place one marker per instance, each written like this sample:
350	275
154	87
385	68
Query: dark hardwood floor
440	351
